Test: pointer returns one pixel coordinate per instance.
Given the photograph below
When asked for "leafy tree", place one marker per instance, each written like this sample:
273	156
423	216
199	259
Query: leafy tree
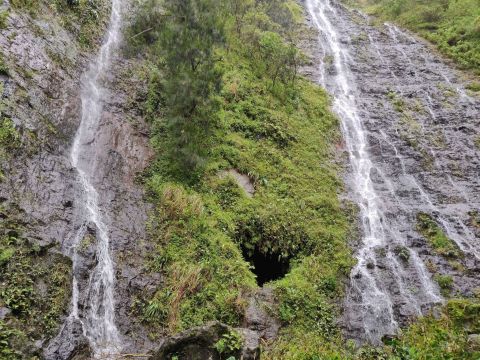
280	60
239	9
189	36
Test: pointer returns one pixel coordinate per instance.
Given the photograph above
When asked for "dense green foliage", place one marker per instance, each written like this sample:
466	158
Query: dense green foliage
269	124
444	337
453	25
224	100
190	32
274	127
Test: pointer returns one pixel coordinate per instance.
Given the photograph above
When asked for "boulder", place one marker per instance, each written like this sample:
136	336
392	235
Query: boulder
70	343
199	344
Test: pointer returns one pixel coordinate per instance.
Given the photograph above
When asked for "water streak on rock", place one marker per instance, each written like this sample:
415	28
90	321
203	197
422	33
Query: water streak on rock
99	319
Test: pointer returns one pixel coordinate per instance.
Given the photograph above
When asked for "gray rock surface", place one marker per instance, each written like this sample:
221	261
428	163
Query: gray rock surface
199	344
258	316
474	341
77	348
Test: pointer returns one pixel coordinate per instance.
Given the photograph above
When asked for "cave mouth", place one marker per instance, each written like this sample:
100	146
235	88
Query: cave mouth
267	267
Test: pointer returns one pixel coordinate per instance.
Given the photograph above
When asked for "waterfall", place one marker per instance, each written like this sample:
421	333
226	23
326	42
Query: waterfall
375	301
98	320
378	281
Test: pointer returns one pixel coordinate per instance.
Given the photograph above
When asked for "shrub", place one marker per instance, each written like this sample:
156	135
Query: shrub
445	282
9	137
403	253
474	86
229	343
431	15
3	19
3	66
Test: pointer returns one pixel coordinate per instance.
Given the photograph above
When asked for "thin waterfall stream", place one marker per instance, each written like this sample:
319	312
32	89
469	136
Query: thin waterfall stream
99	321
97	315
408	125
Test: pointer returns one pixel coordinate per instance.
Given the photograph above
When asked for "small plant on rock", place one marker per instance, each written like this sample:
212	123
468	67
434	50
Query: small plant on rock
229	344
437	239
474	86
445	282
403	253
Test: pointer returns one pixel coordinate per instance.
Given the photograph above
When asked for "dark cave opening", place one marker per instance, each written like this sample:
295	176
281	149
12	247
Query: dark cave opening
267	267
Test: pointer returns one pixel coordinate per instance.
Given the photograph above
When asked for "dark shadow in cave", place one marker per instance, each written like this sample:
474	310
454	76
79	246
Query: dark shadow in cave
267	267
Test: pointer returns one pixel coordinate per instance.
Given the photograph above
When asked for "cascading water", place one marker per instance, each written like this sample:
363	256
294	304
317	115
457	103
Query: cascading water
374	299
465	239
98	318
99	321
379	281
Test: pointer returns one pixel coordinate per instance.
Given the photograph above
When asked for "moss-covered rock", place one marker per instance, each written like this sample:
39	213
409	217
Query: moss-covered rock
35	284
436	238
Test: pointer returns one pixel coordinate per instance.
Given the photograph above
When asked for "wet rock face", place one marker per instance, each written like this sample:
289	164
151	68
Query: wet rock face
70	345
420	124
258	318
41	94
195	344
123	153
201	343
39	178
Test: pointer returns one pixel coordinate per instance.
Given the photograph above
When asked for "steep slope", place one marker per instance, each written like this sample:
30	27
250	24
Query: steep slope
264	200
40	69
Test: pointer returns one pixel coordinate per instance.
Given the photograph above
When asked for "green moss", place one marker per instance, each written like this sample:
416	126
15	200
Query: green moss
6	254
8	336
84	19
3	19
9	137
435	236
3	66
445	282
403	253
474	86
397	102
